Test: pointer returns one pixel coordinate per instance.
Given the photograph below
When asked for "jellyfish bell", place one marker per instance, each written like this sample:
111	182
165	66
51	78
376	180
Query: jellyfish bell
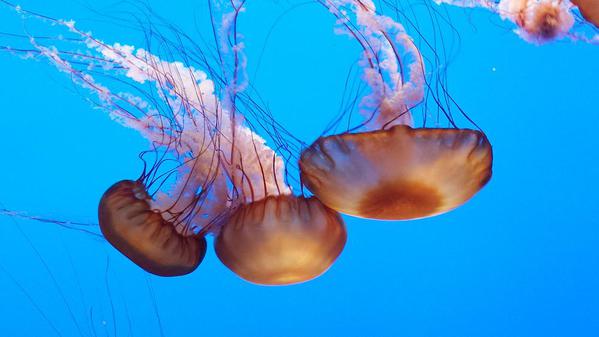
271	236
538	20
548	22
542	21
129	223
397	174
589	10
389	170
281	240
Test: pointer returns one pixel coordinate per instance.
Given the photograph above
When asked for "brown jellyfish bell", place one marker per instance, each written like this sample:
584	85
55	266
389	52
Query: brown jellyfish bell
281	240
397	174
129	223
273	237
589	10
392	171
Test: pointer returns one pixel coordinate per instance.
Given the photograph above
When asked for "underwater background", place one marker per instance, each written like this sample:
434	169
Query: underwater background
519	259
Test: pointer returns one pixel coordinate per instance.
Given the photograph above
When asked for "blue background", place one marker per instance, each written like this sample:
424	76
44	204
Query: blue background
520	259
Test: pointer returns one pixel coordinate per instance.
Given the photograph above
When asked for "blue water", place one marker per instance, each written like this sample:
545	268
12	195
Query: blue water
520	259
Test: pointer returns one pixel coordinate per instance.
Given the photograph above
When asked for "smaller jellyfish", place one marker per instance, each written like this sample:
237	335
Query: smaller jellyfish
129	223
541	21
271	236
538	20
392	171
281	240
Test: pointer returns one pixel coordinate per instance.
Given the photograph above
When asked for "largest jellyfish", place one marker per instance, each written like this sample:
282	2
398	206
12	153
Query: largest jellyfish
390	170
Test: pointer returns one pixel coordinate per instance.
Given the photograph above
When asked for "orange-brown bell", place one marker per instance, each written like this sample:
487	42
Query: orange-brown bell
132	227
281	240
589	10
397	174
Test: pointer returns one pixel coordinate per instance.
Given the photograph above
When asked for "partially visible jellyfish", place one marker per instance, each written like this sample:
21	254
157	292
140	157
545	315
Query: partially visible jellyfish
212	174
538	21
589	10
541	21
391	171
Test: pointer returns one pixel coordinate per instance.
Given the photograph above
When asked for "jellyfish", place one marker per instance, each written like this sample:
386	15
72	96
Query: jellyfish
211	173
589	10
281	240
131	225
538	21
541	21
272	237
400	173
389	170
